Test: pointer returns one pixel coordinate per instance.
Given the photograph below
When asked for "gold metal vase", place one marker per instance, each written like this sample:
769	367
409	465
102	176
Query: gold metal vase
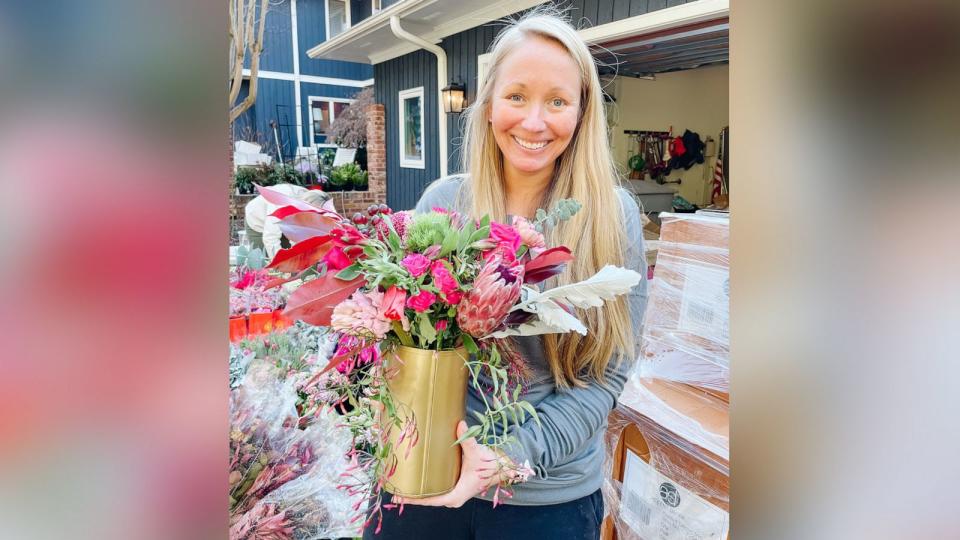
431	386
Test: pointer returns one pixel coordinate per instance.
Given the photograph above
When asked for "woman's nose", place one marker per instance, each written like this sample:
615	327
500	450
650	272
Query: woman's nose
533	120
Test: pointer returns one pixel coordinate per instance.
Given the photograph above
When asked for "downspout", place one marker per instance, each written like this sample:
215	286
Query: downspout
441	82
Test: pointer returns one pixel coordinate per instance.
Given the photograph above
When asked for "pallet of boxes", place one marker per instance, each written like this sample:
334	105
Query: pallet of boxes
668	474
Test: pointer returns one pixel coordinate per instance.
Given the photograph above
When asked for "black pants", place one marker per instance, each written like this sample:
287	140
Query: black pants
478	520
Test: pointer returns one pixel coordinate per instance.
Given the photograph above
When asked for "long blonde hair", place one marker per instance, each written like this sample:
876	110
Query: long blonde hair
585	171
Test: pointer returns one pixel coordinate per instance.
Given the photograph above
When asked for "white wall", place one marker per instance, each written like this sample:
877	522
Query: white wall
695	99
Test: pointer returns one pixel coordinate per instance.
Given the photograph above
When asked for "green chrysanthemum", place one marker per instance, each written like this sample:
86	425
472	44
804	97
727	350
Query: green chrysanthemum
427	229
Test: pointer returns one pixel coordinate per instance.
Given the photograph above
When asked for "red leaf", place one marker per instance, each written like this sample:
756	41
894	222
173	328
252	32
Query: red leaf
281	213
281	200
303	225
547	264
276	282
302	255
313	302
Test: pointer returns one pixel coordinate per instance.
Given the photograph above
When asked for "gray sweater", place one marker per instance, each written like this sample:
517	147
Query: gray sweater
566	451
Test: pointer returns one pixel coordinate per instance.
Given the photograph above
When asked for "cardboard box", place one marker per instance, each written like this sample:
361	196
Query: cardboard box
686	334
669	467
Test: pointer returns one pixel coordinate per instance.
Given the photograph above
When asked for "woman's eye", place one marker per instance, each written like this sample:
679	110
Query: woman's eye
557	102
516	98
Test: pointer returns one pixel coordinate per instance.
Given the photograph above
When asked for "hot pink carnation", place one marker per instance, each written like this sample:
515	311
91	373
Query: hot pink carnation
505	236
416	264
421	302
442	278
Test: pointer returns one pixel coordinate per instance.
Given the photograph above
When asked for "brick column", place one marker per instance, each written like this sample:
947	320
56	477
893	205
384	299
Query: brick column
377	152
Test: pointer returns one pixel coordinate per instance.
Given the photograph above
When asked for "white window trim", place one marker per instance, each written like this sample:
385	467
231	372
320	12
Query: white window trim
409	163
483	67
375	7
333	116
326	17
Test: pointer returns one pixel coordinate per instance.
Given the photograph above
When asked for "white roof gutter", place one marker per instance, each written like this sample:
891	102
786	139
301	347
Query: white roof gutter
441	82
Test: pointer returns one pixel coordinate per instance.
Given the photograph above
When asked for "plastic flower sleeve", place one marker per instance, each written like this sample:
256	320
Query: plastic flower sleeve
667	470
686	337
311	503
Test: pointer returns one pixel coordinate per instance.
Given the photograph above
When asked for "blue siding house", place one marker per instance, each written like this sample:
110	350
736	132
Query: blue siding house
417	47
298	96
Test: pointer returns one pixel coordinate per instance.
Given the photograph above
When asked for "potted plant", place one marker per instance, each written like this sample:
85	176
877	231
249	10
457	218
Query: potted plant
340	178
244	179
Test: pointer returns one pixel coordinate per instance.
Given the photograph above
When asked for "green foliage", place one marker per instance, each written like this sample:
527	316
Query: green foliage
265	175
428	229
254	259
283	174
244	179
562	211
346	177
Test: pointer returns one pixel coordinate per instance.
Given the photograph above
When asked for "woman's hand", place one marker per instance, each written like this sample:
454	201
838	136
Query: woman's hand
480	469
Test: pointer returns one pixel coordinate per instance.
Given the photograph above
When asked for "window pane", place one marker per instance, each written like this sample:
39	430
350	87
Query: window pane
338	17
412	130
338	108
320	114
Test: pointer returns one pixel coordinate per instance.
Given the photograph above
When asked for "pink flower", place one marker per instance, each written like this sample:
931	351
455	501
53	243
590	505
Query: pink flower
494	292
393	300
416	264
336	259
505	236
399	220
360	315
529	235
453	298
441	325
442	278
422	301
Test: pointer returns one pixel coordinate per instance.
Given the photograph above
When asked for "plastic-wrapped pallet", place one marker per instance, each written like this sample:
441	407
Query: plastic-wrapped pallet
668	464
686	337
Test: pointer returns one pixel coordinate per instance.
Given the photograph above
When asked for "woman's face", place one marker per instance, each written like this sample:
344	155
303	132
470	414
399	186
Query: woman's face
535	105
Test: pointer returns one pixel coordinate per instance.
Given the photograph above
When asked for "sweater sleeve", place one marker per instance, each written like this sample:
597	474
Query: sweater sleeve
570	418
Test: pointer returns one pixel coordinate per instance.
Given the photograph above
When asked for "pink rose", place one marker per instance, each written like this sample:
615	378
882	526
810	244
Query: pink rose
453	298
416	264
392	304
505	236
442	278
441	325
421	302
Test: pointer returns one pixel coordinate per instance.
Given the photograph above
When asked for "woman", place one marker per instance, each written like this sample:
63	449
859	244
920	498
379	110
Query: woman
535	135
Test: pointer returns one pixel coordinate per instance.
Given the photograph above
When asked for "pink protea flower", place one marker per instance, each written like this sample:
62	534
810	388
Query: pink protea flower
360	315
494	292
399	220
529	235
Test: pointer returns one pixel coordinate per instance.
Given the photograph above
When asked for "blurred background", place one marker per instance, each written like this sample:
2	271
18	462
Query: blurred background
114	175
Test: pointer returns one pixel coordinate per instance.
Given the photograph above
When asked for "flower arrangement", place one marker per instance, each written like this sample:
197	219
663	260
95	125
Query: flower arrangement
438	281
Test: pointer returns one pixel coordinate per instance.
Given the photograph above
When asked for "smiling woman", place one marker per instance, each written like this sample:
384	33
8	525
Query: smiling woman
535	135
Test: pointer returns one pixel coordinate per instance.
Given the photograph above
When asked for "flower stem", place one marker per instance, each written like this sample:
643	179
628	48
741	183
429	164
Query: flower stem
404	336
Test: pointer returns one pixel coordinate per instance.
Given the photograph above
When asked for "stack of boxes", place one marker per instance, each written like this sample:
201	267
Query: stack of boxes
668	438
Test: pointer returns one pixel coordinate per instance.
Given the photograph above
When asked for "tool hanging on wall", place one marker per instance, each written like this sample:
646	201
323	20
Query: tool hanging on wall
649	156
721	184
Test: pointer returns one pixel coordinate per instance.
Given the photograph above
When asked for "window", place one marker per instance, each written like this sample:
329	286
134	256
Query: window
411	129
338	17
483	66
323	111
375	7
